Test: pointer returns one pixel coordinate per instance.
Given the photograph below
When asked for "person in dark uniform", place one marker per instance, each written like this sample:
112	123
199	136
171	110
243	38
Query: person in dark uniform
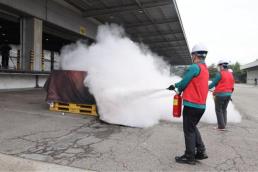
5	52
194	86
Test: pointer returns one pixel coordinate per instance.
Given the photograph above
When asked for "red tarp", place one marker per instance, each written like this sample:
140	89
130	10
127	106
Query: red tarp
67	86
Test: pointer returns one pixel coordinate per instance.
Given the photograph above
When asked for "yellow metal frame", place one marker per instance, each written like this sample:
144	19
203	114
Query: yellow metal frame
74	108
18	60
43	61
31	60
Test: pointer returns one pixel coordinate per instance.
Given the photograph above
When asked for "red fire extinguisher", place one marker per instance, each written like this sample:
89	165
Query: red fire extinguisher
177	105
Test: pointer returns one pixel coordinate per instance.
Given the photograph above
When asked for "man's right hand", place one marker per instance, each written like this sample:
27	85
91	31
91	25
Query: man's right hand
171	87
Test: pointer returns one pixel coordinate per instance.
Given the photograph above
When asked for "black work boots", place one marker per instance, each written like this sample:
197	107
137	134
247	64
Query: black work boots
201	155
185	159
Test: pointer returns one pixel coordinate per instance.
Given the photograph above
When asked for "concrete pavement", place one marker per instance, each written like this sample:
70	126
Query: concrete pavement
14	164
28	130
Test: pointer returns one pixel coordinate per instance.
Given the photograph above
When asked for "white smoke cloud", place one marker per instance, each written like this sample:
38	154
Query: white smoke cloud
127	80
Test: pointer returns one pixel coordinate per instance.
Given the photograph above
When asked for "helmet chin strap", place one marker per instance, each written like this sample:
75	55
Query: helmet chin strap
193	59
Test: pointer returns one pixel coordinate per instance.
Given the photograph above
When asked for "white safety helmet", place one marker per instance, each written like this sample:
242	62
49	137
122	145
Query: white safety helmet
223	62
200	50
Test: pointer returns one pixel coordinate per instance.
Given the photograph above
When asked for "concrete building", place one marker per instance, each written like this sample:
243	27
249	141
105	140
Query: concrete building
38	29
252	71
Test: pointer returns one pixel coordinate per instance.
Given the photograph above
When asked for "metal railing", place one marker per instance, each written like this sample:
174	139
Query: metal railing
15	61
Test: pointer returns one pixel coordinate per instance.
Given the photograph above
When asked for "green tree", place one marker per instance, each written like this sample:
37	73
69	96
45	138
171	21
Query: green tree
239	75
212	70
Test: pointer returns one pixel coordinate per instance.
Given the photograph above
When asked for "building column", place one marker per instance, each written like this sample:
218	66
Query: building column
31	43
52	60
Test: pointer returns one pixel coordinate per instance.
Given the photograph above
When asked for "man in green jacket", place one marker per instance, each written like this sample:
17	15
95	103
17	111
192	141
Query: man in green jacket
224	86
194	86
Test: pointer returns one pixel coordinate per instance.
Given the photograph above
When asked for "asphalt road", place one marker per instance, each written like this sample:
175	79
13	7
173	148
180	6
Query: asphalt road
28	130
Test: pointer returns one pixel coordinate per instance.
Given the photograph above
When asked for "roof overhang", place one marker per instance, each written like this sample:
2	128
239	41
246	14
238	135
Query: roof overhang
250	65
156	23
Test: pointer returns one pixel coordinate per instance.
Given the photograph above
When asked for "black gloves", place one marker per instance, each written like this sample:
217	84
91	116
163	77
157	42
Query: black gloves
171	87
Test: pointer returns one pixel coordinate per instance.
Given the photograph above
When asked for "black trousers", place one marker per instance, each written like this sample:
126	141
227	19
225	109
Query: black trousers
193	139
221	104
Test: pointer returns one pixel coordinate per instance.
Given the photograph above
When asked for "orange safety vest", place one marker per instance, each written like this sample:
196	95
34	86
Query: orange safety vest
226	83
197	89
